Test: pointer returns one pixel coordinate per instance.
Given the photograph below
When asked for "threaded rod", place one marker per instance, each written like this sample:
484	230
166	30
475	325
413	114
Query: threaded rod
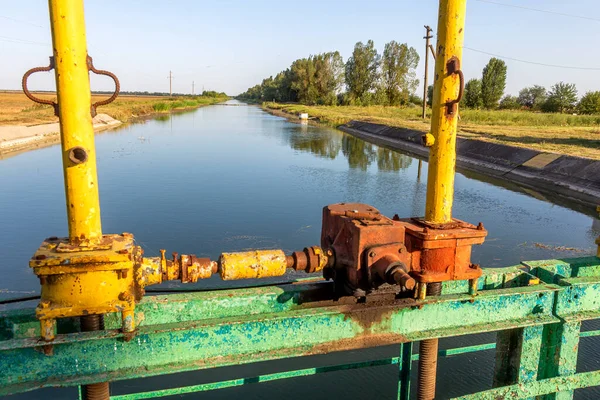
428	357
95	391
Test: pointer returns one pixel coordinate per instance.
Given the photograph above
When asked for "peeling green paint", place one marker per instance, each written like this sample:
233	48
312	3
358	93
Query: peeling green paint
192	331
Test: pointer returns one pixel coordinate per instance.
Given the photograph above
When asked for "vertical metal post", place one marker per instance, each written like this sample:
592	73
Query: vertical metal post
74	110
428	357
442	155
447	90
67	23
404	366
427	37
559	353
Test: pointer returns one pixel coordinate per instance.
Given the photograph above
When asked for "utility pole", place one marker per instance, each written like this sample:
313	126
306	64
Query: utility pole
427	47
192	88
170	78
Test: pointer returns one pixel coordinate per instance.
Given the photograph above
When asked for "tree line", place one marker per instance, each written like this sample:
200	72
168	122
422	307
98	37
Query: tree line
366	78
488	93
205	93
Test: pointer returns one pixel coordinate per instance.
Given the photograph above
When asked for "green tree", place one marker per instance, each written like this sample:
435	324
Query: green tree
430	95
329	76
509	102
398	74
473	94
269	89
493	83
283	83
362	70
562	97
532	97
589	103
303	80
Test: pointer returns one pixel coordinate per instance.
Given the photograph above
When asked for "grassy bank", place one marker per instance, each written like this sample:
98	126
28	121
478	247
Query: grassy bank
577	135
16	109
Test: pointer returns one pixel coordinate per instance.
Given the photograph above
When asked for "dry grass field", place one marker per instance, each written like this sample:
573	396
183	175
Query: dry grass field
17	109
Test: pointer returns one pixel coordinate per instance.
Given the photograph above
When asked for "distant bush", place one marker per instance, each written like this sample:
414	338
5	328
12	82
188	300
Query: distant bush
509	102
589	103
212	93
414	99
162	106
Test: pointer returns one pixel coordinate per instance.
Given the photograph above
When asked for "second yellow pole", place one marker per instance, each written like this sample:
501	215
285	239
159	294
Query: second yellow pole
76	130
442	155
448	80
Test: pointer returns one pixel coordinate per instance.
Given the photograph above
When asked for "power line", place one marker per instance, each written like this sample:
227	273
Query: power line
540	10
533	62
22	22
24	41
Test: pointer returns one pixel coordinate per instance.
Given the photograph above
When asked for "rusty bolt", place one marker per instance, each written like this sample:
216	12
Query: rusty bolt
124	273
124	296
426	230
480	226
372	254
48	349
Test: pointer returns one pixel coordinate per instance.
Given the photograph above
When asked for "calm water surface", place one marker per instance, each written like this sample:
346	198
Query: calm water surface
231	178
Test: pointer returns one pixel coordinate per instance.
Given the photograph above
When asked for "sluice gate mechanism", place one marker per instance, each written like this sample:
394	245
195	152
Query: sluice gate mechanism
386	280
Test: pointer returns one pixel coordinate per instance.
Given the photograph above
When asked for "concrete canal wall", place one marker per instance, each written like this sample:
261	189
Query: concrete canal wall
571	177
16	138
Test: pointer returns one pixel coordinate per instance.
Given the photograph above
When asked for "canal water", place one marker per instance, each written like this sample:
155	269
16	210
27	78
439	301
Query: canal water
232	177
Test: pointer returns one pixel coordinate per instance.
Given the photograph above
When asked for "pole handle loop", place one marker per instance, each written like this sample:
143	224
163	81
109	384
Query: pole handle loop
30	95
453	68
110	75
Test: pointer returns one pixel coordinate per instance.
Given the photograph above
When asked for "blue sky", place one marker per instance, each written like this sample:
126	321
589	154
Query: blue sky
229	45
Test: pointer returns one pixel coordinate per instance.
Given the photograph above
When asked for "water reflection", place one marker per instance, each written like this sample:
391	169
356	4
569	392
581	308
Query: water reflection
360	154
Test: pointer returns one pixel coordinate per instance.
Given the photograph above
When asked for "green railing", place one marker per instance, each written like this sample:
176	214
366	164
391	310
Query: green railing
536	310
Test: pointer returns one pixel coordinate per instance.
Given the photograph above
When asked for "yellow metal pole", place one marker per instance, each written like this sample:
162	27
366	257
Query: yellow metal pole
442	156
76	130
447	90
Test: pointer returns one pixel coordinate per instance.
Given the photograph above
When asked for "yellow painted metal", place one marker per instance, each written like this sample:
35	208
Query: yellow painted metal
252	264
77	280
150	271
76	130
323	258
442	155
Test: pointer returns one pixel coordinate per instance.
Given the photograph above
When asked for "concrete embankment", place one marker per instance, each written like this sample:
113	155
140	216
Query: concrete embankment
15	139
569	177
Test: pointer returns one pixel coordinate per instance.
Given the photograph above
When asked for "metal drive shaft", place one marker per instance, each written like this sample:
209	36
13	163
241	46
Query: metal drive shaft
428	357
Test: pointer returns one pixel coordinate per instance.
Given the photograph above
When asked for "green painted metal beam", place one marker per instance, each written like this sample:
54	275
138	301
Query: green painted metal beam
302	327
538	388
